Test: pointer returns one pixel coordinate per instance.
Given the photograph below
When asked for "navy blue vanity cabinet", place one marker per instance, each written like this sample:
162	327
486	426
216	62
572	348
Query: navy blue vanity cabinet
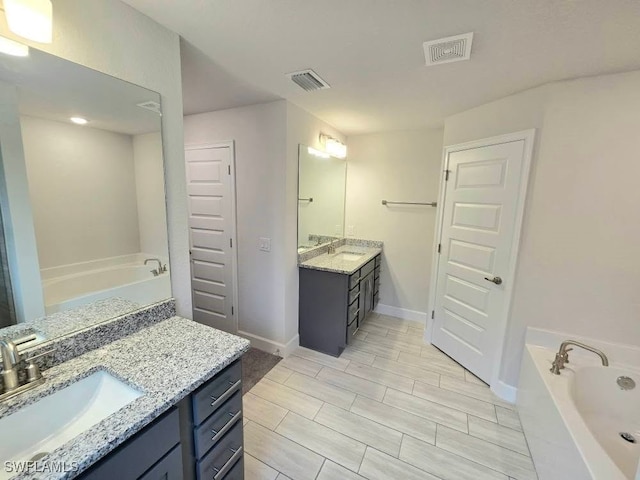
211	428
332	306
152	454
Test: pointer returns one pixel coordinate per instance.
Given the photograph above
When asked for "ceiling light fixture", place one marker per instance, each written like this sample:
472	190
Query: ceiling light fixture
30	19
13	48
333	147
317	153
79	120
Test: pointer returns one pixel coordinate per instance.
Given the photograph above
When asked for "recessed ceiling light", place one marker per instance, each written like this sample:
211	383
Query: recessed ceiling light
79	120
13	48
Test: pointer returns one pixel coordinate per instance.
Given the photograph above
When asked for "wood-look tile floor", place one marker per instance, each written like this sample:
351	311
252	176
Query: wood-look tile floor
390	408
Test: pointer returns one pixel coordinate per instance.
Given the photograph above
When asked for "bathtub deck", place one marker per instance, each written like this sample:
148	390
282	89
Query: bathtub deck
391	407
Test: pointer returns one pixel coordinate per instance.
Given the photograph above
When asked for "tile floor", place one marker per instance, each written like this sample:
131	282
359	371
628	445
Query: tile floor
391	407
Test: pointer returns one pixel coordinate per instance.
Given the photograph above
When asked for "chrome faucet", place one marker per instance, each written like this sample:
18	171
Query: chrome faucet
332	248
10	361
161	269
562	356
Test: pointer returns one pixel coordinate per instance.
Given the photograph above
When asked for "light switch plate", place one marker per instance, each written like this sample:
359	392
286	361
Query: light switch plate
265	244
351	231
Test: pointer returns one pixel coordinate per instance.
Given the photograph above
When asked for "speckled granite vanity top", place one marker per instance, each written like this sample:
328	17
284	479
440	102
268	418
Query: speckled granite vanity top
347	259
165	361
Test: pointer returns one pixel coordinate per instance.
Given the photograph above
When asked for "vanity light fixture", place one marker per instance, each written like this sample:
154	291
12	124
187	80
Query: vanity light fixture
317	153
30	19
334	147
13	48
79	120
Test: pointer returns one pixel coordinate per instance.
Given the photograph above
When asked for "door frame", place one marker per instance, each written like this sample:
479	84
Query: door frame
503	390
234	227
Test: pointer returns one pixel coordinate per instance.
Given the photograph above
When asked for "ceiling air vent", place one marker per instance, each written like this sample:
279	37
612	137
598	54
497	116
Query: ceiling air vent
308	80
450	49
151	105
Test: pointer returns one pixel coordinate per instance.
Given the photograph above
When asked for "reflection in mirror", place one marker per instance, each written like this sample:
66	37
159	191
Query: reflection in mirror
321	197
81	195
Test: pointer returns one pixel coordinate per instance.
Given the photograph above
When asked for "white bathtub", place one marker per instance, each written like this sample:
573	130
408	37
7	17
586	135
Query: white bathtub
573	421
125	277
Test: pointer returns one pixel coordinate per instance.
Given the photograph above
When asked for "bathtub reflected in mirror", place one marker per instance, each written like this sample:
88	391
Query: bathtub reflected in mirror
81	194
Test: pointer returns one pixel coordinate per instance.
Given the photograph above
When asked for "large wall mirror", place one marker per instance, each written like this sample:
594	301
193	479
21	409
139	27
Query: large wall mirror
81	194
321	197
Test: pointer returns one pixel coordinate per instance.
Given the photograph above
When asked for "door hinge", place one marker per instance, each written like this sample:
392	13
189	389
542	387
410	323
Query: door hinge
439	247
446	175
231	242
433	314
229	169
232	310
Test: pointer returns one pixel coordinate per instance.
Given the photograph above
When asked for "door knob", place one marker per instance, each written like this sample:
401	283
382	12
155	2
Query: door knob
496	280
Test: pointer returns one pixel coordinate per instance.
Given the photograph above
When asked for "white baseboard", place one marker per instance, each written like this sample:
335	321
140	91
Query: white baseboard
270	346
402	313
506	392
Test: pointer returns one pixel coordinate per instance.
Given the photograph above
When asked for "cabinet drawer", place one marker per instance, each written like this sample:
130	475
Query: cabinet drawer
353	312
368	268
223	457
352	329
237	472
354	279
169	468
213	394
378	260
354	294
377	272
215	427
136	456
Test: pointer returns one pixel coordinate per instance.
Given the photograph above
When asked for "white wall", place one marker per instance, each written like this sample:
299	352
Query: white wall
83	191
259	135
113	38
578	262
400	166
151	203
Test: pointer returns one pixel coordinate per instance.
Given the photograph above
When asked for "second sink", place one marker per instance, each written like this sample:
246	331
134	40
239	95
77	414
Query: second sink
349	256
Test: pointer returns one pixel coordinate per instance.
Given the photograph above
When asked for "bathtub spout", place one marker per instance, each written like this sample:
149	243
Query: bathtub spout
562	356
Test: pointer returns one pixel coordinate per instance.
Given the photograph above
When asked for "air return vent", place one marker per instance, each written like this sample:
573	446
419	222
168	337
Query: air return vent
308	80
450	49
151	105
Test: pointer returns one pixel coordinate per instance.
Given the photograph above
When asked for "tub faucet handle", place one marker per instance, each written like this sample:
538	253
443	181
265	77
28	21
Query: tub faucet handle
566	355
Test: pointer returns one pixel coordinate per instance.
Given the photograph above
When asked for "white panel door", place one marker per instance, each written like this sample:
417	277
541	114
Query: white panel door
209	189
479	220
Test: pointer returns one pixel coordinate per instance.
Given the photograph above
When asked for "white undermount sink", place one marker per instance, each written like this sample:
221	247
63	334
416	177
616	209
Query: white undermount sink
45	425
349	256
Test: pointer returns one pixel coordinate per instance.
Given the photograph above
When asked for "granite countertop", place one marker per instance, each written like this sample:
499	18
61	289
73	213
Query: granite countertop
64	323
335	263
166	361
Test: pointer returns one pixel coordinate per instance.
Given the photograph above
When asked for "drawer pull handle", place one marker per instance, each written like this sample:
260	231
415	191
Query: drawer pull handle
220	433
222	471
222	398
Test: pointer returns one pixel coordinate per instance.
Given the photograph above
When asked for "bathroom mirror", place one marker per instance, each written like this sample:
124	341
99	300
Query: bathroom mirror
321	196
81	194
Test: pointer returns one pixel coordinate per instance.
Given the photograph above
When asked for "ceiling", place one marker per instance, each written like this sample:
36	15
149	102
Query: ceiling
57	89
370	52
